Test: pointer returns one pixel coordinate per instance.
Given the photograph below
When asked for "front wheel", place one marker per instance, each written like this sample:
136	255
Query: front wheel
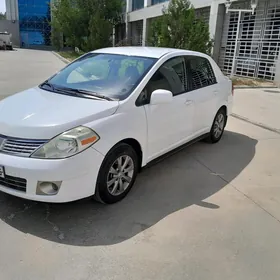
218	127
117	174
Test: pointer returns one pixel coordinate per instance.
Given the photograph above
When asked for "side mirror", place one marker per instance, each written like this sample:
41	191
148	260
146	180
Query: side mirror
161	96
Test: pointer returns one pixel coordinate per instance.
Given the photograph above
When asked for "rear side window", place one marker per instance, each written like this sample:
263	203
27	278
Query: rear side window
200	72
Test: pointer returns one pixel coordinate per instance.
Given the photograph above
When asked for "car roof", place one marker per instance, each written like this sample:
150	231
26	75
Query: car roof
153	52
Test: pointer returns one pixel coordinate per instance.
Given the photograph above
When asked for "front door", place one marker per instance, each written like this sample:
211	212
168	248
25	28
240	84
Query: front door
169	125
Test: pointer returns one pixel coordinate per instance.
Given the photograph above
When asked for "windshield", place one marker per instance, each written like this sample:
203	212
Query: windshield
109	75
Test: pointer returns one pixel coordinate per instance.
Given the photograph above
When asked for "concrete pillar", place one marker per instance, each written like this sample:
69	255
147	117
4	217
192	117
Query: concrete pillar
8	10
145	32
277	72
216	22
219	31
128	30
213	18
128	6
147	3
16	11
12	9
114	36
127	23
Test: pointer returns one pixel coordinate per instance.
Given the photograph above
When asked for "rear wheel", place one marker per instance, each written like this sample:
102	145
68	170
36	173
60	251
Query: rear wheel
218	127
117	174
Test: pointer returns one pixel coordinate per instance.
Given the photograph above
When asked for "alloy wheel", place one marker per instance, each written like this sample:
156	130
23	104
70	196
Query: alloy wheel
120	175
219	125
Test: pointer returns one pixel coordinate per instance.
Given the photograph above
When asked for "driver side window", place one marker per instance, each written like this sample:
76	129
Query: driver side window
170	76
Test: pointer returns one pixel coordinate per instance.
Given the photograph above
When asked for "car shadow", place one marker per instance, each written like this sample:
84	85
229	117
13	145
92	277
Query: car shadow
183	179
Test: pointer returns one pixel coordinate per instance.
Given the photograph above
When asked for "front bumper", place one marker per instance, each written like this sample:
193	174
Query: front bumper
78	175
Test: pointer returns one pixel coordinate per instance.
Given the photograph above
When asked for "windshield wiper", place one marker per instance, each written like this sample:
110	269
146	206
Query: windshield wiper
77	92
67	91
46	83
60	89
95	94
84	92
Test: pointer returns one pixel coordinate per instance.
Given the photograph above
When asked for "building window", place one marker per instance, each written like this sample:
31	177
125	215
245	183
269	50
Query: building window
34	22
137	4
154	2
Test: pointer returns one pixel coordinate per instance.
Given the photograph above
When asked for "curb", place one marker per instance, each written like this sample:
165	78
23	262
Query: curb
244	87
264	126
66	61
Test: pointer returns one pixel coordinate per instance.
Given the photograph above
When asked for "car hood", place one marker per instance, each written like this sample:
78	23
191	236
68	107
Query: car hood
40	114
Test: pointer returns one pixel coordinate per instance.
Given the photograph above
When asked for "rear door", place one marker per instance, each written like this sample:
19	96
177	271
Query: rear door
205	91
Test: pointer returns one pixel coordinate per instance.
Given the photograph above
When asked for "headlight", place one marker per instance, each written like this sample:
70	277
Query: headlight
67	144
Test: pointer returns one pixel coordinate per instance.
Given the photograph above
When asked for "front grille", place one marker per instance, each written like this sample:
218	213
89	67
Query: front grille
14	183
20	147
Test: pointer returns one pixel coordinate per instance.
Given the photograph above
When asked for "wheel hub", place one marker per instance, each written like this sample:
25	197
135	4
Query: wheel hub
219	125
120	175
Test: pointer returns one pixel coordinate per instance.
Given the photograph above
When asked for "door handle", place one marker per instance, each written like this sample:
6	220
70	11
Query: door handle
188	102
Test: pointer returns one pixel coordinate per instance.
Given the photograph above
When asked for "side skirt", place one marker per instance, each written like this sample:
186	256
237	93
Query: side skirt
176	150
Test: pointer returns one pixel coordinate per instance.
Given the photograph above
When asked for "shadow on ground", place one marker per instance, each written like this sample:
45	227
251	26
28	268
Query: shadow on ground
184	179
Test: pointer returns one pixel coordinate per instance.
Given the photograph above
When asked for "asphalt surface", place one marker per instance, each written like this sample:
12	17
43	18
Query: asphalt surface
207	212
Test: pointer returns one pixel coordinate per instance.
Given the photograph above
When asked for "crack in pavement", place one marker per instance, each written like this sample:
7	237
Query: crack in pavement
26	207
55	228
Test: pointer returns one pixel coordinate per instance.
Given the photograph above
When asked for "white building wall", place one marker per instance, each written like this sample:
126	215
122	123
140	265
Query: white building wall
151	11
216	18
217	21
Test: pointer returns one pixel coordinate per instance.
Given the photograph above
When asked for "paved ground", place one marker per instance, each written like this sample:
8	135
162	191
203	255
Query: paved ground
259	105
22	69
208	212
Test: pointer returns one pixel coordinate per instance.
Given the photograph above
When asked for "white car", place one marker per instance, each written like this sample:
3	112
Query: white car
5	40
91	127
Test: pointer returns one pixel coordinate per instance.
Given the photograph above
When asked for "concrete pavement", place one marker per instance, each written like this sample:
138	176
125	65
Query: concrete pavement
260	106
22	69
207	212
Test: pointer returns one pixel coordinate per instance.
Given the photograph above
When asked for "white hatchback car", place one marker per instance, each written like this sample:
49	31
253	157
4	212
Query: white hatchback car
90	128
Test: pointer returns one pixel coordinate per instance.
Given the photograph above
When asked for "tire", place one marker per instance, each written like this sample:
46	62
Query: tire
113	184
218	127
